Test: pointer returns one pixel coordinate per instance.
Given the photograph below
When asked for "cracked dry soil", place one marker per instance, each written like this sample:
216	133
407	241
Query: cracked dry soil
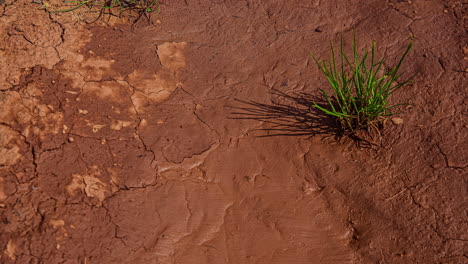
117	143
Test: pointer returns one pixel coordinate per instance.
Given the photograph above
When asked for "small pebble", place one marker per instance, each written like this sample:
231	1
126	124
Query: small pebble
397	121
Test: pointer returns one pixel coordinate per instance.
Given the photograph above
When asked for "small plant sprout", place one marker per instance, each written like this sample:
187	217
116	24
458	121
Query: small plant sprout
360	88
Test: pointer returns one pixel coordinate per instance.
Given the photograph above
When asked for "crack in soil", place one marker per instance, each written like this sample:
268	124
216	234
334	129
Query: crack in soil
446	159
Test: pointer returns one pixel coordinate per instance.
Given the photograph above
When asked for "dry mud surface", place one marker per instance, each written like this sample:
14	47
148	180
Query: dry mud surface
123	144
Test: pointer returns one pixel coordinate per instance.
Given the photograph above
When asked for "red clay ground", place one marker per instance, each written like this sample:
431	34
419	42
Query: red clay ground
122	144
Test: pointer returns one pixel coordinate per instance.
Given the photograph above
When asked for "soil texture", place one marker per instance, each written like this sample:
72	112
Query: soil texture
188	138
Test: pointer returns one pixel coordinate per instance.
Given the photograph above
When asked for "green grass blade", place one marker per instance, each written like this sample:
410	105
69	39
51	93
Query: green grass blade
360	92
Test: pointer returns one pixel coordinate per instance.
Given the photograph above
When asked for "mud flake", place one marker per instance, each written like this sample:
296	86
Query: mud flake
171	55
151	88
95	187
75	185
114	177
27	111
48	125
94	68
187	165
96	128
27	56
309	188
57	223
113	91
42	32
91	185
152	83
84	61
65	129
3	195
10	151
119	124
10	250
141	100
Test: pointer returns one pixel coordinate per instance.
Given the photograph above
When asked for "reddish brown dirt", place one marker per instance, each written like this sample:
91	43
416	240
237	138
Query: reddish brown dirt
123	144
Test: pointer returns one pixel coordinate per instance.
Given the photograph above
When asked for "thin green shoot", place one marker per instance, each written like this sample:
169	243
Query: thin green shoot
361	88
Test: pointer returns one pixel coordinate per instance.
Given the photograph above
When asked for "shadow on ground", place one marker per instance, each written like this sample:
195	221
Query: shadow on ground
289	115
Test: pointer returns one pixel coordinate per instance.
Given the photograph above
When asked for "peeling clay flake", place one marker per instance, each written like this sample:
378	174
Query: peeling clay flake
10	250
95	188
3	196
119	124
90	185
75	185
171	55
96	128
56	223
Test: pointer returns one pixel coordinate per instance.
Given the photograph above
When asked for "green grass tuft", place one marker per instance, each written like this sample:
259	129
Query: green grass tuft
361	88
